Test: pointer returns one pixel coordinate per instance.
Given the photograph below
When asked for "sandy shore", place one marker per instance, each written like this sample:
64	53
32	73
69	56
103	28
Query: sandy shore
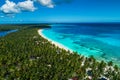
53	42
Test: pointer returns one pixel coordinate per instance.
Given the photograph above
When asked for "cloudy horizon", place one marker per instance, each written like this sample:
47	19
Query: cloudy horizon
60	10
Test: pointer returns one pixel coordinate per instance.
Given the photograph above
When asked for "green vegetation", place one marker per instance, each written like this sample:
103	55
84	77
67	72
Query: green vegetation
7	27
25	55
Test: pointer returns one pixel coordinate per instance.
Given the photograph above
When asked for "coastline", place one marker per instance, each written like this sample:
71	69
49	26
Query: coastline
57	43
53	42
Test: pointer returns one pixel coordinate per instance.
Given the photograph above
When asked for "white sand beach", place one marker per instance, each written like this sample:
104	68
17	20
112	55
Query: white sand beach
53	42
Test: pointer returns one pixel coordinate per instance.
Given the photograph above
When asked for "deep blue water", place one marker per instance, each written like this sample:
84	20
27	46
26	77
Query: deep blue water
4	33
100	40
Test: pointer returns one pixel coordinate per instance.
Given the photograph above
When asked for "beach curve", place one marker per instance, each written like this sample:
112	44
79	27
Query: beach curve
53	42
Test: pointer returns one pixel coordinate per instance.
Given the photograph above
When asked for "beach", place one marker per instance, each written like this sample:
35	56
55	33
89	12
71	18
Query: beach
53	42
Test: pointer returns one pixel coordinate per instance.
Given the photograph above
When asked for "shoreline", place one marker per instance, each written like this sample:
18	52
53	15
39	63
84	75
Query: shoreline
53	42
58	44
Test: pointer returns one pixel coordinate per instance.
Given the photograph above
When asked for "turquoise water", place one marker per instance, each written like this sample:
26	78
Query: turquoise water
100	40
4	33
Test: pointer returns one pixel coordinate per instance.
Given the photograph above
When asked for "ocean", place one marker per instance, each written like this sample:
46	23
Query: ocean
102	40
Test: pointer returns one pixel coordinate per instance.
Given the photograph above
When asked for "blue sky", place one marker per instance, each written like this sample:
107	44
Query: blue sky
62	11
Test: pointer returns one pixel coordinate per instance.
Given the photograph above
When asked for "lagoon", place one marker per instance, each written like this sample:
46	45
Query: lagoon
4	33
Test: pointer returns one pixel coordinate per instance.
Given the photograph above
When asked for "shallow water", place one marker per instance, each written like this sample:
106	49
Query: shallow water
100	40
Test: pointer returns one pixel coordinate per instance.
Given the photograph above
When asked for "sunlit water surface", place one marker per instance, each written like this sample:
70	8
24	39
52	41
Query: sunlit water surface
100	40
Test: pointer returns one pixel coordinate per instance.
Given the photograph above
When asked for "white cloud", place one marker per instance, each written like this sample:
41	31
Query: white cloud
47	3
26	5
9	7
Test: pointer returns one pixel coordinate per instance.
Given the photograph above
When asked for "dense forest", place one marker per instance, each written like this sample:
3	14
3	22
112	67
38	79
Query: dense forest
25	55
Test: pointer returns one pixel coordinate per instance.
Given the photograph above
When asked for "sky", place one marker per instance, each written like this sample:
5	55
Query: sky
43	11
